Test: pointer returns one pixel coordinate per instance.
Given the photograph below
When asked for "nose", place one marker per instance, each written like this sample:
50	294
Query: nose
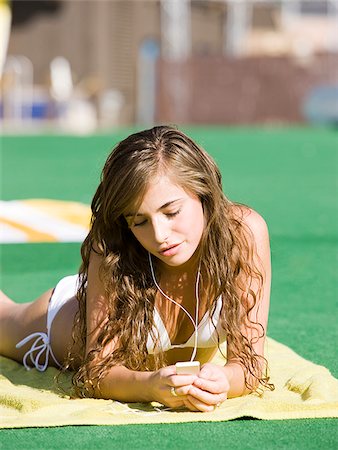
161	229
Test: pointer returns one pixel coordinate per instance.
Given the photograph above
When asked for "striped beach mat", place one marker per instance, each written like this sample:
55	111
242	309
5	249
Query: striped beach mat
43	220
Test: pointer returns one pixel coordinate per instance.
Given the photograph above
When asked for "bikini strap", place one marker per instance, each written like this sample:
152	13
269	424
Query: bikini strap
40	345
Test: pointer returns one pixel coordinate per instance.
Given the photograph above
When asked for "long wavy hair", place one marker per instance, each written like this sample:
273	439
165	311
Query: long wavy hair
227	256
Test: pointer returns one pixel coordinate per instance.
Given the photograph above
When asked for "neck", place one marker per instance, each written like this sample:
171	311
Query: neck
186	270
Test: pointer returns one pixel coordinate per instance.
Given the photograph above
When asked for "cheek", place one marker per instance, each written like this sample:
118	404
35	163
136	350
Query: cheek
196	221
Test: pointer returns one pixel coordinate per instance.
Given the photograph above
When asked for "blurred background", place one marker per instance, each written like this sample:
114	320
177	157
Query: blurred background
85	66
254	82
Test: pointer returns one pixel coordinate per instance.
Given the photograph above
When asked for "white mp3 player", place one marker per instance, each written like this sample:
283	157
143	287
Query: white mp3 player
187	367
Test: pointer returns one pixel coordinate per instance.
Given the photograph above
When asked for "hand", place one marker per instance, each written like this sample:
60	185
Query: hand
208	390
163	380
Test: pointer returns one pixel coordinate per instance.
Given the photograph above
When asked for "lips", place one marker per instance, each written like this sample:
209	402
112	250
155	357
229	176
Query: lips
170	250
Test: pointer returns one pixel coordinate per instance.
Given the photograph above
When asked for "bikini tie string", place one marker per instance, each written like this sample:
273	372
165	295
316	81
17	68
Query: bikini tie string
40	345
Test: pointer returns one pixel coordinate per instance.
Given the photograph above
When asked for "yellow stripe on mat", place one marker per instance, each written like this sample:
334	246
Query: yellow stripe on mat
32	235
73	212
43	220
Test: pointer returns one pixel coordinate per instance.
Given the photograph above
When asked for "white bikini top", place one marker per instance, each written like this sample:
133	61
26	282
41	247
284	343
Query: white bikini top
209	330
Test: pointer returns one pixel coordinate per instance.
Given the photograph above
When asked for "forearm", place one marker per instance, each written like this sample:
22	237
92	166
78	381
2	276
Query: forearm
235	374
125	385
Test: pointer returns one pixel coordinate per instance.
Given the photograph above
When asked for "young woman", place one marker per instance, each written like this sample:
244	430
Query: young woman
170	270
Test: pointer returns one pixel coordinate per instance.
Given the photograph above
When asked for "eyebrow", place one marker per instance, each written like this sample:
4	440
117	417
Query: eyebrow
159	209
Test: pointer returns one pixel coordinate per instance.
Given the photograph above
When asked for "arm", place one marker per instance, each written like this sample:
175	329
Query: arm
121	383
234	370
215	381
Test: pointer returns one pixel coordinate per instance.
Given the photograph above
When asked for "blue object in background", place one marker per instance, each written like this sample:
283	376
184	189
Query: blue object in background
40	110
148	54
321	105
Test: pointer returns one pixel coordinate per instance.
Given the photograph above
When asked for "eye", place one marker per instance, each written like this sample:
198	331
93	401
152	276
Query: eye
173	214
139	224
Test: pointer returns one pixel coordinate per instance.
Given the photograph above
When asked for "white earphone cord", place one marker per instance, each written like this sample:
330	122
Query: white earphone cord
195	323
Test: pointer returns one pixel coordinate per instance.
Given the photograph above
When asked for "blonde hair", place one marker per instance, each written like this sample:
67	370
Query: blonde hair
125	271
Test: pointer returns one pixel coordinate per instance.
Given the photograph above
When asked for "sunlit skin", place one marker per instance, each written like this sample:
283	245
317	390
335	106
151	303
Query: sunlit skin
168	216
169	223
172	219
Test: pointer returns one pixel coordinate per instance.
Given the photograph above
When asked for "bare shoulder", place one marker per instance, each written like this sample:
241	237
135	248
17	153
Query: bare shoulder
256	230
253	221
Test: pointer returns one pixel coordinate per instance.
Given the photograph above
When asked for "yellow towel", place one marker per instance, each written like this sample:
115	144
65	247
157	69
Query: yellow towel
303	390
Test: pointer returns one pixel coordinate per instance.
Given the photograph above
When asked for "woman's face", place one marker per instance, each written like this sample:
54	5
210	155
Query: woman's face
169	223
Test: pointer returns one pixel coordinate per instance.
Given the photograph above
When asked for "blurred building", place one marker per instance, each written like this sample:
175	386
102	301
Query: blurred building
237	61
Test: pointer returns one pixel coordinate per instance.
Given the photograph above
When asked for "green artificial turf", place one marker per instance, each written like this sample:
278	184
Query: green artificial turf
235	435
290	177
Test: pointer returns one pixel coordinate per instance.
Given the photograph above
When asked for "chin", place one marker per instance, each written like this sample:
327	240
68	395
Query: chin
177	261
174	263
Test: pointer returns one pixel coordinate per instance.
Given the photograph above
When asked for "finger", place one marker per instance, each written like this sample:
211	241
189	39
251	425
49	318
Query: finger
168	371
212	372
198	405
181	380
214	387
208	372
207	397
176	403
189	405
182	390
207	385
173	399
